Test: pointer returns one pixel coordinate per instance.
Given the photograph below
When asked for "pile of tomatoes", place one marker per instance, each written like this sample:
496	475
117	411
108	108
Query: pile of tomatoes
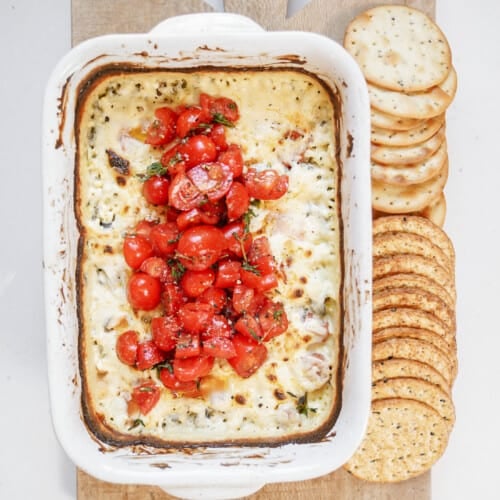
209	274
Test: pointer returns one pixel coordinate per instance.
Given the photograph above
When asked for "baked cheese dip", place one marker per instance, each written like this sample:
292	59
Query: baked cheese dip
210	268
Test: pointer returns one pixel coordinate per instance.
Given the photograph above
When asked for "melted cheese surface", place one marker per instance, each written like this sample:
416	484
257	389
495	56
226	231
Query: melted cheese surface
303	229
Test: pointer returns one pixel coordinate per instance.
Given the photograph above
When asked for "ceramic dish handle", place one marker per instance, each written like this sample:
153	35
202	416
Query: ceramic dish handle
206	22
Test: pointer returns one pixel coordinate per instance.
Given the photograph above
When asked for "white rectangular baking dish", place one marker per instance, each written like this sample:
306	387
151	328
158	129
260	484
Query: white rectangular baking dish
190	41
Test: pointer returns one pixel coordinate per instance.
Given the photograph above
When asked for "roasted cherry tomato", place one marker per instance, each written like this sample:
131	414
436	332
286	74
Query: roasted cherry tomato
162	129
136	249
155	190
213	180
248	326
183	193
164	237
173	160
250	355
143	228
266	184
170	381
157	268
165	331
219	347
192	368
237	201
148	355
195	316
198	149
194	283
219	326
146	395
215	297
273	319
243	297
173	298
188	346
218	135
143	291
220	108
254	279
238	240
207	213
233	158
190	120
228	273
126	347
199	247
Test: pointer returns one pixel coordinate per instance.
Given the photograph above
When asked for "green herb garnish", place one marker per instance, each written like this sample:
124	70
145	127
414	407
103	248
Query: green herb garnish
136	423
220	118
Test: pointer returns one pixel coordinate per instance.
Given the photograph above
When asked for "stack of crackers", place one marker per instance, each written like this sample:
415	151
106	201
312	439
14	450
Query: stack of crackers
406	61
411	81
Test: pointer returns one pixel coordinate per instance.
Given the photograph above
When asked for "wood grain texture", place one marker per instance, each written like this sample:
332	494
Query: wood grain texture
92	18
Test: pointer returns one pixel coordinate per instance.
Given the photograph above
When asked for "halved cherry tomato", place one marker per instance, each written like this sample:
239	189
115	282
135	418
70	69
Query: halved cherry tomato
164	237
143	291
201	246
219	347
136	249
195	316
238	240
188	346
220	106
215	297
228	273
183	194
192	368
219	326
233	158
173	160
237	201
146	395
262	283
162	129
243	298
148	355
157	268
250	355
207	213
194	283
143	228
218	134
126	347
266	184
173	298
198	149
155	190
165	331
190	120
170	381
272	319
213	180
248	326
259	248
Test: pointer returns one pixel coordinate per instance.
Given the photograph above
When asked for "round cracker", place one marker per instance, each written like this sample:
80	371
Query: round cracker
436	211
413	280
400	242
446	346
385	120
416	135
408	175
428	104
420	350
411	263
408	155
398	48
412	318
405	199
418	389
417	299
404	438
400	367
416	225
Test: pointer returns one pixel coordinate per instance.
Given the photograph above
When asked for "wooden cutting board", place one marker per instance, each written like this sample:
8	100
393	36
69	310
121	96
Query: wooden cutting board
92	18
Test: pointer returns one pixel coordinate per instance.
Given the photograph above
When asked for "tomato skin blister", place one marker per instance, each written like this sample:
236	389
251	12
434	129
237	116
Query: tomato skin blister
207	275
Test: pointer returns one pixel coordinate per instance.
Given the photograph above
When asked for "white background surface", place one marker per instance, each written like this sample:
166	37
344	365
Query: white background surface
34	35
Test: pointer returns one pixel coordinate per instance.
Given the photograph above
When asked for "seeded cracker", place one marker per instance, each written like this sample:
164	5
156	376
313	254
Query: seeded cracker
404	438
399	48
385	120
423	131
408	175
436	211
